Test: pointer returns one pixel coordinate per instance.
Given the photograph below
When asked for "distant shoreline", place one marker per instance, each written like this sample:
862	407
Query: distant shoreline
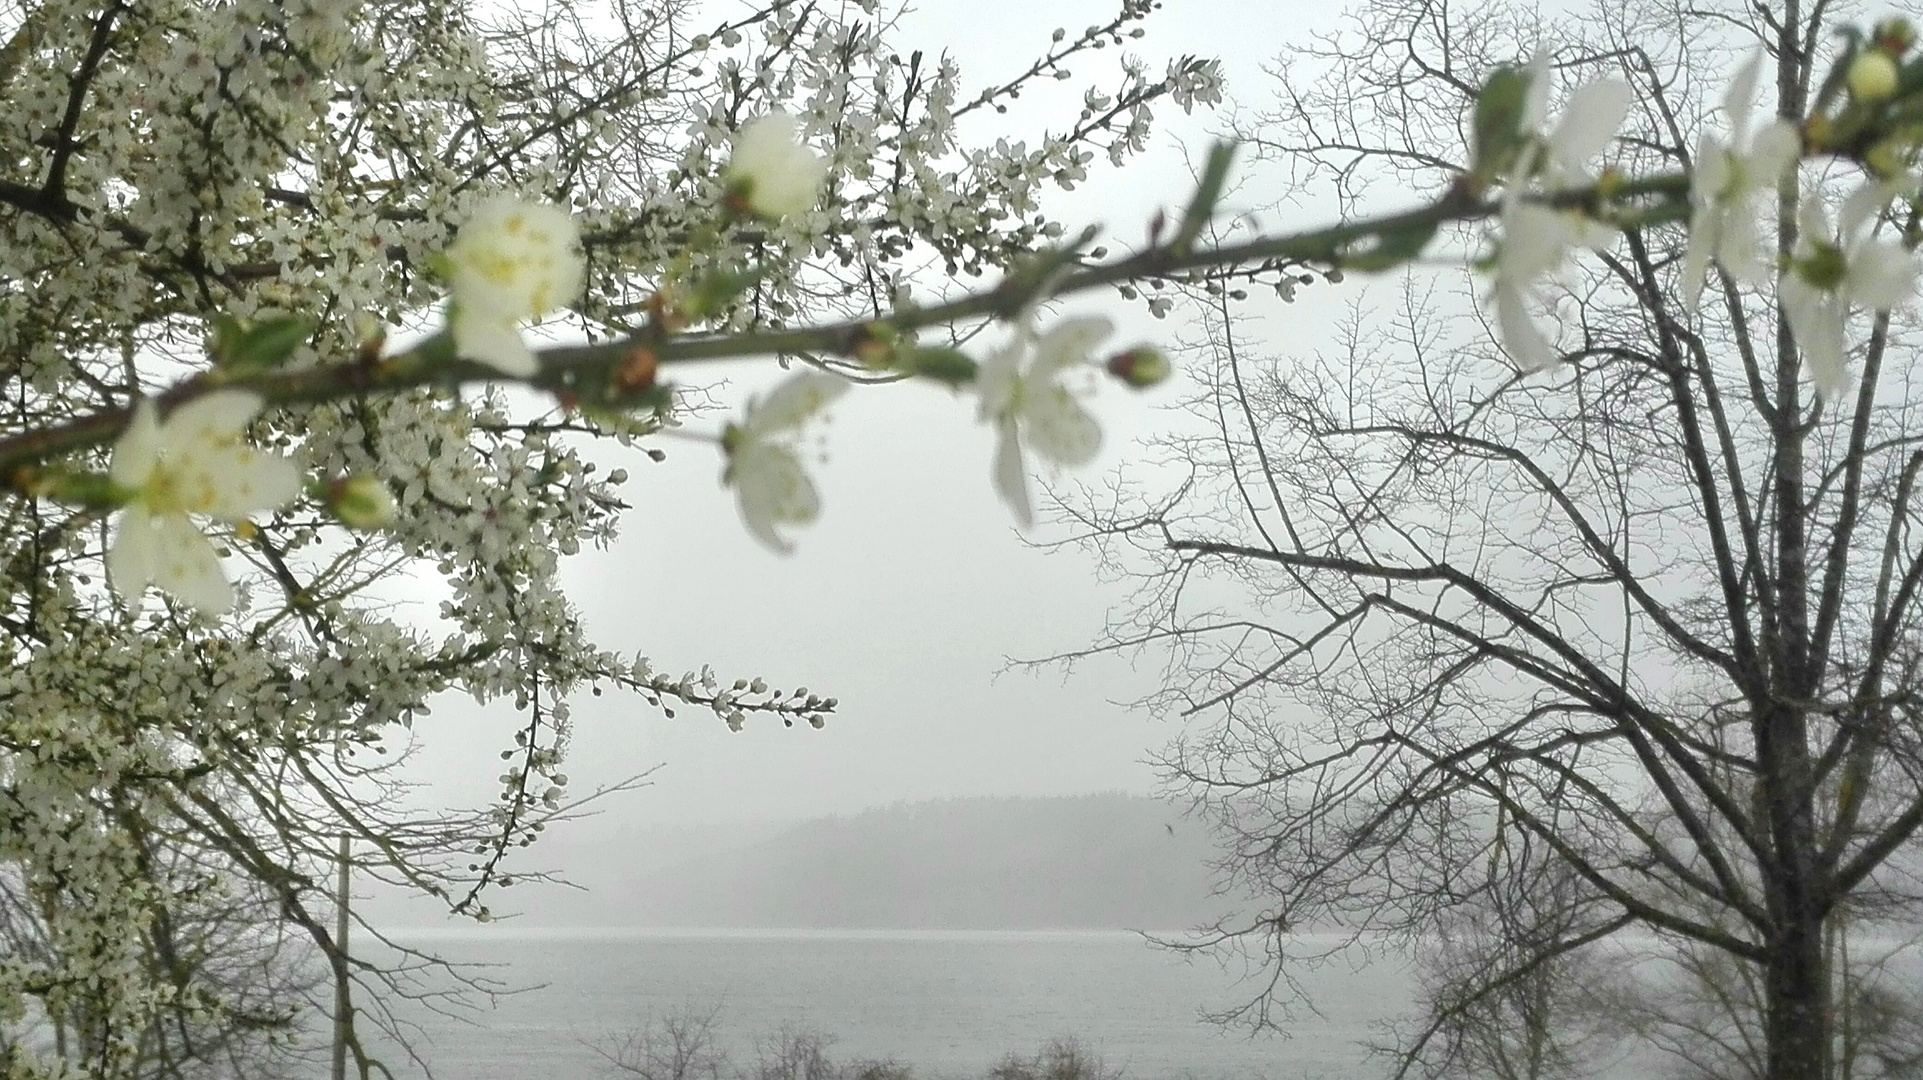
757	933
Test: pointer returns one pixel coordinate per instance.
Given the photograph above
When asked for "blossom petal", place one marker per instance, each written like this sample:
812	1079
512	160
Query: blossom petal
1068	342
1535	101
1534	241
1741	97
1816	321
1527	346
1813	221
210	420
185	564
771	488
1057	428
779	176
1703	227
1712	173
1595	113
1882	274
1861	206
1011	475
1737	248
515	259
487	340
791	404
250	481
138	449
134	553
1000	376
1773	151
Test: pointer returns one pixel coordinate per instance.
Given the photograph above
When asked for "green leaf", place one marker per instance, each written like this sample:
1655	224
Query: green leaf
1208	193
1391	249
718	289
242	347
1498	122
1840	71
1910	78
950	366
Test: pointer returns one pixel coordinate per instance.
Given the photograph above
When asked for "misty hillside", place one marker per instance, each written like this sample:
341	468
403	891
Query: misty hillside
1108	861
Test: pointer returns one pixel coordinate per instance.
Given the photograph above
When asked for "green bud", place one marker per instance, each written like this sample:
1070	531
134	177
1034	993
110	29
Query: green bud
876	345
1872	75
361	501
1894	36
950	366
1141	367
1886	159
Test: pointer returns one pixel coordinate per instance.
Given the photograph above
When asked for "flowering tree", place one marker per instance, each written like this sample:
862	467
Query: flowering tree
1610	569
214	217
218	215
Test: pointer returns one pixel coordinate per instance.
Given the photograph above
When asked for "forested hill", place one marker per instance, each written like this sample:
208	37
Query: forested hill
1109	861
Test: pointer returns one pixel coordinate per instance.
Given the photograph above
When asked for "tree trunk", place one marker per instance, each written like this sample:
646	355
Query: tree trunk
1796	1026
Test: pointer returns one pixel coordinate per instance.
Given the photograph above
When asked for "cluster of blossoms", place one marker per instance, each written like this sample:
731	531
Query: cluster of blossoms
1831	270
300	177
1029	391
514	261
1028	388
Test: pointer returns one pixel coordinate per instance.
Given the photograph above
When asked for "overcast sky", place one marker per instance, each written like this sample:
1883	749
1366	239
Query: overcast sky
908	595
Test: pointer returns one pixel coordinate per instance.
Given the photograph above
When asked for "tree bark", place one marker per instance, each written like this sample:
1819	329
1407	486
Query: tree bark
1798	1020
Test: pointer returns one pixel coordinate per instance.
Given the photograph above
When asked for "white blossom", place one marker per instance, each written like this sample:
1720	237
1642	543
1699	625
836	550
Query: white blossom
1536	238
1723	190
1832	270
1025	395
194	463
763	467
775	174
1595	113
513	261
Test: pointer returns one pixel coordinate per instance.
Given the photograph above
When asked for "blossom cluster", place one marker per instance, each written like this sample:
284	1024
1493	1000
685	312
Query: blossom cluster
317	175
1832	270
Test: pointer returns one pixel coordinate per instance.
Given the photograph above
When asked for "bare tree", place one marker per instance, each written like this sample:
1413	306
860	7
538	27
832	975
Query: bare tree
1496	999
681	1045
1654	616
1703	1011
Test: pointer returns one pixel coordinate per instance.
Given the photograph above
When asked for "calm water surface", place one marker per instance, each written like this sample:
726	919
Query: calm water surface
948	1003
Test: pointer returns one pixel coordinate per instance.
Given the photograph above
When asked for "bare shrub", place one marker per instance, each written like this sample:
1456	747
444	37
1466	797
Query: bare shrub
795	1054
1062	1058
682	1045
885	1069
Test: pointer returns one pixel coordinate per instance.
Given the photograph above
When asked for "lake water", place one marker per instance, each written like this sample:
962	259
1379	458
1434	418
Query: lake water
948	1003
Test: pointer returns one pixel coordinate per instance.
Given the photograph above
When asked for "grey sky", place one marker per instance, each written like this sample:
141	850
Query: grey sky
905	598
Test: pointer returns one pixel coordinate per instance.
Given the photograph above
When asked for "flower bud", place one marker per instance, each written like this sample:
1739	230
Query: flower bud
770	173
1895	36
361	501
875	345
636	370
1885	159
1872	75
1140	367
